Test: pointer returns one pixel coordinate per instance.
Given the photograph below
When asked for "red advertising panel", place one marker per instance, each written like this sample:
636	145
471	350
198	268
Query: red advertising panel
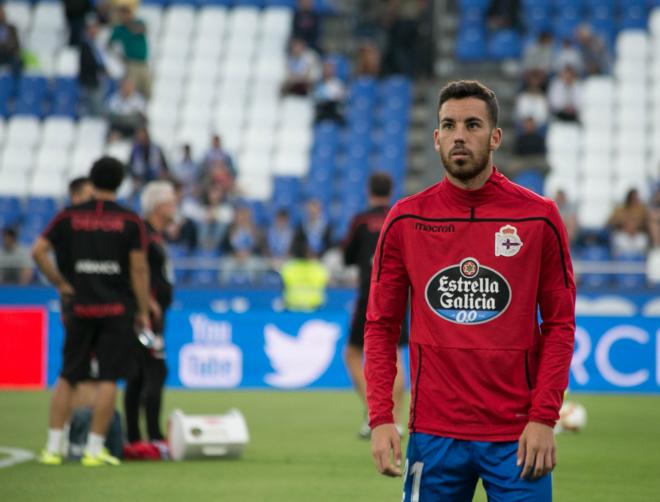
22	347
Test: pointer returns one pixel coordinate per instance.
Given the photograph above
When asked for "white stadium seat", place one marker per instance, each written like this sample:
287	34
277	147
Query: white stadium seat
68	62
23	131
593	215
179	21
82	159
13	183
91	131
120	150
632	45
152	15
290	163
53	159
45	184
276	21
3	131
568	183
258	139
58	131
20	15
244	21
48	16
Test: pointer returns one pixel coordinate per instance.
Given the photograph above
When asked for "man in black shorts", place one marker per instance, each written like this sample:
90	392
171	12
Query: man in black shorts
146	379
359	247
102	277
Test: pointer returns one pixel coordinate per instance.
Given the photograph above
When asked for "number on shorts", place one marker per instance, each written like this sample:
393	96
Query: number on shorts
416	473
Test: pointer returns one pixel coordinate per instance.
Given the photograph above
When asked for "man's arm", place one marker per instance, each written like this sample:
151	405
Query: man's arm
40	255
140	284
556	299
385	313
350	244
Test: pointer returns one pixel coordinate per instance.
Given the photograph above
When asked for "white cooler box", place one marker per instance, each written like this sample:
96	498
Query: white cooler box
207	436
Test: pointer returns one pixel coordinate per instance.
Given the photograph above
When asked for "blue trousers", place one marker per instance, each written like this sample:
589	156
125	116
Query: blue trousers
441	469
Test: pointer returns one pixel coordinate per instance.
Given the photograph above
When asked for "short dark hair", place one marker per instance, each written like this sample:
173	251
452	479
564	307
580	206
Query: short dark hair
10	232
107	174
462	89
299	246
380	184
76	184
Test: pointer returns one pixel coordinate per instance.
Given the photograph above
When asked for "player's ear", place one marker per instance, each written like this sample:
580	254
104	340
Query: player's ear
436	140
495	139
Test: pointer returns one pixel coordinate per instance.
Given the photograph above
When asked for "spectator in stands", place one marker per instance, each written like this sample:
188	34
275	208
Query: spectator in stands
593	51
568	55
127	110
402	28
187	171
131	35
147	161
539	56
628	241
92	71
504	14
315	228
632	216
217	152
368	60
329	95
307	24
243	245
183	230
213	218
10	46
219	175
304	278
568	215
530	140
532	102
279	237
15	261
565	95
654	218
75	12
303	68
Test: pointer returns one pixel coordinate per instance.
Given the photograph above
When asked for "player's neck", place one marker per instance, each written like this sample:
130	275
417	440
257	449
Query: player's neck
379	201
473	183
104	194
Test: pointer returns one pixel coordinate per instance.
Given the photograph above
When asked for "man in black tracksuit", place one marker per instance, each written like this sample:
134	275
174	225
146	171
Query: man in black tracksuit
145	382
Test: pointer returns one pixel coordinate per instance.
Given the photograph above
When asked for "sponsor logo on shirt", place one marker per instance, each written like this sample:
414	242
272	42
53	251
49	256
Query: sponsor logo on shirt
468	293
92	223
507	241
108	267
437	229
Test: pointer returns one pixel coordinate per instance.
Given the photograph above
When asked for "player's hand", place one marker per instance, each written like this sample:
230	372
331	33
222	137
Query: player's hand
385	444
537	452
155	310
65	289
142	321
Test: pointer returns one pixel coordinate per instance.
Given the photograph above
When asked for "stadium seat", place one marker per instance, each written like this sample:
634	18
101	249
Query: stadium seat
594	253
121	150
43	183
23	132
13	182
53	159
504	44
244	21
58	131
82	158
67	63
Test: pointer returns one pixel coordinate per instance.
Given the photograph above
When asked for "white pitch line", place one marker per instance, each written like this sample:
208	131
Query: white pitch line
16	456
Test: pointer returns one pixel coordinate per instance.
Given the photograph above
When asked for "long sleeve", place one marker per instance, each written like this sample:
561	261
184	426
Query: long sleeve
556	300
385	313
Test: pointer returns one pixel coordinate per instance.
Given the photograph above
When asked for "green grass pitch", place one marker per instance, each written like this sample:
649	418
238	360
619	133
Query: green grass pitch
304	448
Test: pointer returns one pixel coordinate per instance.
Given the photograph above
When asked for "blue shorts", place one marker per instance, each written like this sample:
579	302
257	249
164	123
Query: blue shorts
440	469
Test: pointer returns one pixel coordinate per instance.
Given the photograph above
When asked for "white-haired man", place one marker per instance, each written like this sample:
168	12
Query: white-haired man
145	382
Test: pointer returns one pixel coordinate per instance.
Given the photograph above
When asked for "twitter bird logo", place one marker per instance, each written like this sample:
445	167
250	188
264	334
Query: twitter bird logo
299	361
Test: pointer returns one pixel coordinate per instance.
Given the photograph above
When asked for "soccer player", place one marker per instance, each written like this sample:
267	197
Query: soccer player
482	257
359	247
102	273
147	377
80	190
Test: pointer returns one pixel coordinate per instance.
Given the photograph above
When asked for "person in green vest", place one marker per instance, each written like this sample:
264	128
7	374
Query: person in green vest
304	278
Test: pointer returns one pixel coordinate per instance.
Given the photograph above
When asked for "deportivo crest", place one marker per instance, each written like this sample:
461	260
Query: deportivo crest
468	293
507	241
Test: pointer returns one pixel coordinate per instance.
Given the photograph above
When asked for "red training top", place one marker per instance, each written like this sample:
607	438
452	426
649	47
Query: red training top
480	266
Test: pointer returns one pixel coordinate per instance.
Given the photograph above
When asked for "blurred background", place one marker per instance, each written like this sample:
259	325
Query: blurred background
270	115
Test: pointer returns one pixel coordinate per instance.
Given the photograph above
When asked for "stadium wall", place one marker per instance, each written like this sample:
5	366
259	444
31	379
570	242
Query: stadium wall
241	339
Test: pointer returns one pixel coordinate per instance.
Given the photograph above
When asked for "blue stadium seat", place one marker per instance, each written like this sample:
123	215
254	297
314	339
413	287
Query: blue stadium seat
342	65
206	275
31	97
630	281
594	253
633	16
537	18
286	191
473	4
41	205
471	45
505	44
10	211
530	179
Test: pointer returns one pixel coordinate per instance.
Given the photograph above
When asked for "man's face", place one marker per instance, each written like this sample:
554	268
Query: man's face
8	241
465	138
84	193
168	210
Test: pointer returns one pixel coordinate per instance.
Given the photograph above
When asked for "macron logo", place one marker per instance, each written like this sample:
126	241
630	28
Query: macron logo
436	229
108	267
300	361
